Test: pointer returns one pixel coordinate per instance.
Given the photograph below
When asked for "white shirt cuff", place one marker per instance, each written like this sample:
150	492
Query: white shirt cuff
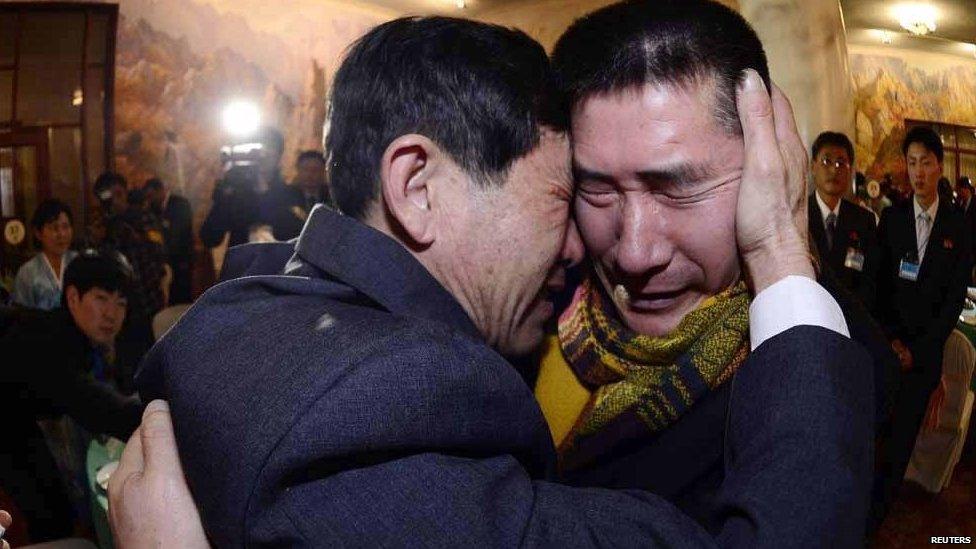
790	302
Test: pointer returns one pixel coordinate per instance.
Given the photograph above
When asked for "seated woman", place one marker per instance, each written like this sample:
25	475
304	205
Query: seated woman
38	282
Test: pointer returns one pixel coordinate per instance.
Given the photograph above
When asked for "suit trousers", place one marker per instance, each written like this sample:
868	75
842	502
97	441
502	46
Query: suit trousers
911	402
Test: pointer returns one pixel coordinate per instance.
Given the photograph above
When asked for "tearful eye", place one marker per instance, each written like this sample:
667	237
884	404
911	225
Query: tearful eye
598	196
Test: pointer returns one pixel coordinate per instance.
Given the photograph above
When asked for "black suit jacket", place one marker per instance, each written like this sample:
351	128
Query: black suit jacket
353	403
855	228
684	463
970	216
924	312
45	374
178	227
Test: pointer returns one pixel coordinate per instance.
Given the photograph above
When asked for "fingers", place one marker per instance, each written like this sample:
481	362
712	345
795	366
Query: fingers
758	126
158	440
789	140
131	463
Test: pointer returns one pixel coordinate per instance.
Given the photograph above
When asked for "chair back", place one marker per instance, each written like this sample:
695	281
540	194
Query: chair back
165	319
958	362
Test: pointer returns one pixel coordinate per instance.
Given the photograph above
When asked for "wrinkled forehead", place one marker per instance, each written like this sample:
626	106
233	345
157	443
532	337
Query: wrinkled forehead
651	124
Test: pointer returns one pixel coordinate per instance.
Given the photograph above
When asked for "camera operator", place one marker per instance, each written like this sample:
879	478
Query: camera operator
132	230
249	199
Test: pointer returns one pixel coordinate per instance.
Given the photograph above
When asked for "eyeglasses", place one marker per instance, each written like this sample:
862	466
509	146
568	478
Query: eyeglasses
837	164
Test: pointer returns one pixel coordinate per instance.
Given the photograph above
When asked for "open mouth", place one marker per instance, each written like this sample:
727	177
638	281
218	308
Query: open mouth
653	301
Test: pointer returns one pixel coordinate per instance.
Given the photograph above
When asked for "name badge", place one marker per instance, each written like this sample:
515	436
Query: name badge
854	259
908	270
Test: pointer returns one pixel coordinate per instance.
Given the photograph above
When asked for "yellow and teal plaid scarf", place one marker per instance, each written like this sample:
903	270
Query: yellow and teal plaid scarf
640	384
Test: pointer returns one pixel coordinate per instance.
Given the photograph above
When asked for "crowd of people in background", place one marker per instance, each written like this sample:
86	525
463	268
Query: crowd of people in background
81	313
909	263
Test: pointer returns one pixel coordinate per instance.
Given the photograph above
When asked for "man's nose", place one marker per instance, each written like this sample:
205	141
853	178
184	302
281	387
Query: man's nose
112	313
572	252
643	245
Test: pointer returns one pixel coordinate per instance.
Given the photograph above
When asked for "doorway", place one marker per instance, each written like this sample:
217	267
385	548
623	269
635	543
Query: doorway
24	183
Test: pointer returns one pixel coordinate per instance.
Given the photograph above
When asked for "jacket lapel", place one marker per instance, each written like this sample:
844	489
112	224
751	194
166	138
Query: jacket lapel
817	233
934	245
842	238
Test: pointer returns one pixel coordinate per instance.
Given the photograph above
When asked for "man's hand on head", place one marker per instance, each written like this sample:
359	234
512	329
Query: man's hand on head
771	213
150	504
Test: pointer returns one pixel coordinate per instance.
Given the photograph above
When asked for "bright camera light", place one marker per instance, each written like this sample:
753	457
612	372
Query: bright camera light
241	118
918	19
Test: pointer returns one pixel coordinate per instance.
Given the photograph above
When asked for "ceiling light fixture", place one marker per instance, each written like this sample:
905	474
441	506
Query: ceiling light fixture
918	19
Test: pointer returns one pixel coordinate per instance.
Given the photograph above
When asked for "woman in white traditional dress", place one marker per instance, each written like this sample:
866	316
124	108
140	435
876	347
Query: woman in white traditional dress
38	282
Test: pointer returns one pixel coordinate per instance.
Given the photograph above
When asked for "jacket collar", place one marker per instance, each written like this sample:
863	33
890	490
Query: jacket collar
379	267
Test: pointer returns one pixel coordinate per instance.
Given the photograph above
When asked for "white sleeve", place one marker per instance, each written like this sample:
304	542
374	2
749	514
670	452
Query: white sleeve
790	302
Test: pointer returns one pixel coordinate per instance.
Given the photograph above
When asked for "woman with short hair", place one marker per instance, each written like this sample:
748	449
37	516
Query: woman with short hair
38	282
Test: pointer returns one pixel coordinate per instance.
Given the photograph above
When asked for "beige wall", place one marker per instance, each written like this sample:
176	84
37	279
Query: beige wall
806	46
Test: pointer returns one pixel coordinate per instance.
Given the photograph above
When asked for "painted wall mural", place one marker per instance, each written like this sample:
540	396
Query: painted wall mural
888	88
179	62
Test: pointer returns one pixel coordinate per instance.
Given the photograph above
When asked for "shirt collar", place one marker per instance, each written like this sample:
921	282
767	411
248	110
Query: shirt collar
931	211
57	276
824	209
379	267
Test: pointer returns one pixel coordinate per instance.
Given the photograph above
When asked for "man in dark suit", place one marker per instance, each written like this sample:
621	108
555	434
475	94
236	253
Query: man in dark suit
964	192
845	234
285	208
363	397
177	217
249	199
55	364
925	265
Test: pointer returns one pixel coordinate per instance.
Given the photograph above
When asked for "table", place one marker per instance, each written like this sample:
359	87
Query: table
98	455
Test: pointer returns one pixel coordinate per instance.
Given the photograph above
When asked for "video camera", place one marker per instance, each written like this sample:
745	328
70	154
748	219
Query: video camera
239	166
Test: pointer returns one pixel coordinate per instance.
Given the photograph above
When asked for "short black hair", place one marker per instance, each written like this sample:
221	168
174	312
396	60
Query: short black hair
310	155
106	269
964	181
106	181
479	91
835	139
48	211
926	137
154	183
674	42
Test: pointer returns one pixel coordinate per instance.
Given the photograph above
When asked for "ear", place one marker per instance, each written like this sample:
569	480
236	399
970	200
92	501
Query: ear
71	298
408	167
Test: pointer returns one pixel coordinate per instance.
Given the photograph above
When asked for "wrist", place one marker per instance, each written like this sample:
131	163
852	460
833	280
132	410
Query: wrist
783	253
